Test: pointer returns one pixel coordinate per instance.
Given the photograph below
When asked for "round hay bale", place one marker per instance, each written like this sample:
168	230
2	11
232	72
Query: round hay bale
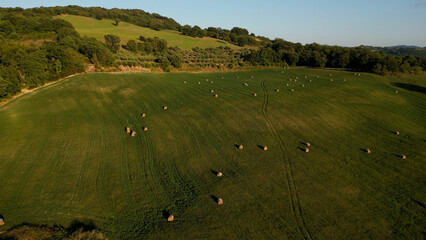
265	148
286	85
317	76
297	77
199	82
310	80
306	149
396	91
359	74
308	144
331	80
133	133
396	133
302	85
145	129
143	115
344	80
219	174
216	95
306	77
295	80
292	90
207	79
403	156
277	90
212	91
354	74
164	107
184	82
254	94
1	221
241	147
368	150
219	201
222	77
127	129
171	218
238	77
252	76
331	75
211	82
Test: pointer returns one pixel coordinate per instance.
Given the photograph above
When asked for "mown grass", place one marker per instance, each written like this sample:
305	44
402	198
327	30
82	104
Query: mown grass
64	155
99	28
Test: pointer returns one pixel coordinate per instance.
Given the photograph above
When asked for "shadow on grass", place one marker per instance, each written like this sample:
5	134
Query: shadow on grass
214	172
410	87
165	214
83	224
215	199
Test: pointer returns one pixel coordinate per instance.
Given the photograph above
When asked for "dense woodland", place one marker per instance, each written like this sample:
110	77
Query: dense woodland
56	50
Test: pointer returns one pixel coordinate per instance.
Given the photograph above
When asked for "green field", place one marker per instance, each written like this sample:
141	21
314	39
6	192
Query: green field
99	28
64	155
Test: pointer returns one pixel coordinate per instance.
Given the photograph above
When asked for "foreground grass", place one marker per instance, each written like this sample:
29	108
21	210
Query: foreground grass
64	155
99	28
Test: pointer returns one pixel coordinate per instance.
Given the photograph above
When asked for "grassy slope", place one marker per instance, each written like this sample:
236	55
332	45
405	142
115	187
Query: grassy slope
64	155
126	31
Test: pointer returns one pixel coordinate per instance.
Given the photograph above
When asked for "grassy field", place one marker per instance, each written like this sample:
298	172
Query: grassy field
65	155
126	31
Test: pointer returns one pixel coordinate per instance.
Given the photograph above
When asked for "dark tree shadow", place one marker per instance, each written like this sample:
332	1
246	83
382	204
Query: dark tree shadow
84	224
410	87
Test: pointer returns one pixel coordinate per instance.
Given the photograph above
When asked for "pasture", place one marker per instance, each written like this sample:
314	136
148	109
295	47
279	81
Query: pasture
126	31
65	155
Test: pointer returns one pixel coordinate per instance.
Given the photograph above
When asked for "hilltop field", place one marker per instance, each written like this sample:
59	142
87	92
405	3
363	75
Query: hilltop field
65	155
126	31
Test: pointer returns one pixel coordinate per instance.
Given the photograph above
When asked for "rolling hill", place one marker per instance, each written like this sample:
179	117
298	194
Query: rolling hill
65	155
99	28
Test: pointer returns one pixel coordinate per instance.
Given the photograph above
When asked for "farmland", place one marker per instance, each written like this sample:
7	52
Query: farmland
65	155
99	28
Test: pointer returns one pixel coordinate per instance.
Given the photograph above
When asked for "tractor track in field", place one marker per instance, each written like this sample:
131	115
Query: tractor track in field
294	198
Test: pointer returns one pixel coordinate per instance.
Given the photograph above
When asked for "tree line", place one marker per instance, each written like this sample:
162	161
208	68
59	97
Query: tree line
284	53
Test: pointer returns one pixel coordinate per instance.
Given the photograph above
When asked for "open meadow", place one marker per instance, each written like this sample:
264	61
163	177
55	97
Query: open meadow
65	155
126	31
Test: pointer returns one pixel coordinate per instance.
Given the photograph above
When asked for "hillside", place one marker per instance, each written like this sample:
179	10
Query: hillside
99	28
65	155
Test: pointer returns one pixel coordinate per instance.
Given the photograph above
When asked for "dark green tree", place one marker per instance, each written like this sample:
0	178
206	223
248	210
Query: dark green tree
112	42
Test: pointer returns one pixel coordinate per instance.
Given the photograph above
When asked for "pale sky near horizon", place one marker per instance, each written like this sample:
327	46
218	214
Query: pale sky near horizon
331	22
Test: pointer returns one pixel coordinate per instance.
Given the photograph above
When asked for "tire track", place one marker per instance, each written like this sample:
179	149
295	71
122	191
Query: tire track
294	198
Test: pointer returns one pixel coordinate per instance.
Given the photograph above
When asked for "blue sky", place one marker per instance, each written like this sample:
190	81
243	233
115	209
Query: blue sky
332	22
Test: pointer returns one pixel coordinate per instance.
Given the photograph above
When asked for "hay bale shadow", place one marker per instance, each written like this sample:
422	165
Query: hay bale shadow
215	199
260	146
83	224
364	149
410	87
214	172
165	214
237	145
301	149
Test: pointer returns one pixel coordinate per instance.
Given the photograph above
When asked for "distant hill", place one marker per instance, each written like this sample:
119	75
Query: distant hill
98	28
401	50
